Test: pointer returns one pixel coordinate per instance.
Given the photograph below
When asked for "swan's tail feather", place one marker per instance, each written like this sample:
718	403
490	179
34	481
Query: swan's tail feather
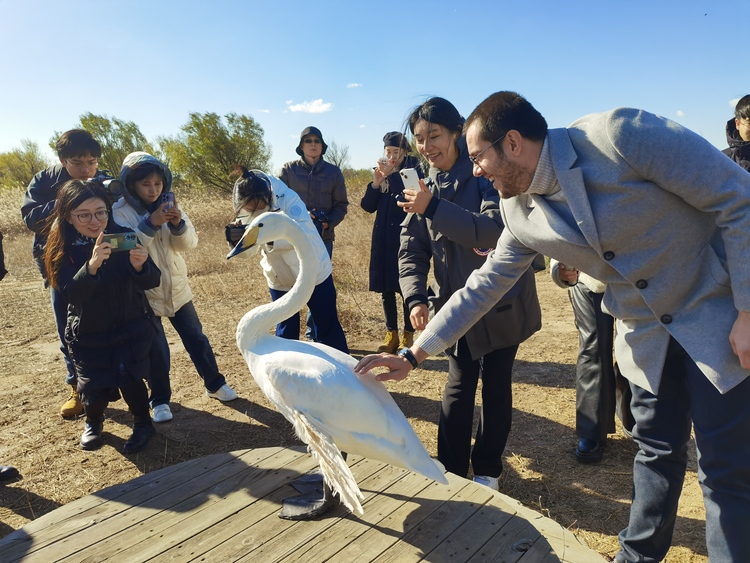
335	471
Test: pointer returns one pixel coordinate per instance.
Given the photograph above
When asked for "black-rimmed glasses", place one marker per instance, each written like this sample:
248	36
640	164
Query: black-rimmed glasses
474	159
86	217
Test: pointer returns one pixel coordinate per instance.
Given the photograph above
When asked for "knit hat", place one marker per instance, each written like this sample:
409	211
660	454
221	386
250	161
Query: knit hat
395	139
311	131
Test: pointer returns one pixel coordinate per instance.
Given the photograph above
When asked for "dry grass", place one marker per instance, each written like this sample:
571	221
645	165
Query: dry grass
540	467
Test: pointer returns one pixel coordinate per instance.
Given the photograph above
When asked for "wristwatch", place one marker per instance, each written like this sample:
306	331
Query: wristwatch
406	353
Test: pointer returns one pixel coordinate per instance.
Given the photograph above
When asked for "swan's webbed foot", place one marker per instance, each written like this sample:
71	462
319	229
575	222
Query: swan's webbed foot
309	505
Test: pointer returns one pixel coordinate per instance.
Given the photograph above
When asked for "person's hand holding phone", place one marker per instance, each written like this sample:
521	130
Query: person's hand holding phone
173	212
102	251
416	195
138	257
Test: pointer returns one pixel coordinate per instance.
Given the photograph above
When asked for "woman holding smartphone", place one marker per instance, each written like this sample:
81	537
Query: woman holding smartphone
381	197
455	224
166	231
109	329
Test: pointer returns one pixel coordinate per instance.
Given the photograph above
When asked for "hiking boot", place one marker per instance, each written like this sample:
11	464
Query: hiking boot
390	343
72	407
407	339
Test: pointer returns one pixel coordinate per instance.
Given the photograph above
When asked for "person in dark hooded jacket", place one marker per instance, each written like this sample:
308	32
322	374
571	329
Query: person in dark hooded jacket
109	326
166	232
381	197
738	134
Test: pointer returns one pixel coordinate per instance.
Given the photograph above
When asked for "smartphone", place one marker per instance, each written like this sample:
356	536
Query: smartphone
168	198
410	178
121	241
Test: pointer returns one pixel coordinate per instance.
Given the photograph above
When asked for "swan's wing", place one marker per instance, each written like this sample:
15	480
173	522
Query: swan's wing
359	415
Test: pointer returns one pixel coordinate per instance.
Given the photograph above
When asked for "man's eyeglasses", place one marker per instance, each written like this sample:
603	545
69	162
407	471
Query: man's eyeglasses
313	141
86	217
82	165
474	159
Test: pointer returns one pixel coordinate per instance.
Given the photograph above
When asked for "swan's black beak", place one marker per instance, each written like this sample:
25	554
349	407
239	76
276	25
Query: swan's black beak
247	241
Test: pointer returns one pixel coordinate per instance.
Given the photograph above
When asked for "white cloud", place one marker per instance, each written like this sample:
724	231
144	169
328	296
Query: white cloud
733	102
680	113
289	102
265	111
354	85
316	106
362	126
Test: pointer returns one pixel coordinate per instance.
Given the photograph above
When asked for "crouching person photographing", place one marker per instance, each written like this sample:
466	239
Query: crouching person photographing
102	273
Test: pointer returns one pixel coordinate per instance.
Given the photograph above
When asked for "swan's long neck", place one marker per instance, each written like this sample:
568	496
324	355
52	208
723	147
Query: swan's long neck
261	319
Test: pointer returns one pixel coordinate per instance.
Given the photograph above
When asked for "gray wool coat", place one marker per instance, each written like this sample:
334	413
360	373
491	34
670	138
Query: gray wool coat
652	210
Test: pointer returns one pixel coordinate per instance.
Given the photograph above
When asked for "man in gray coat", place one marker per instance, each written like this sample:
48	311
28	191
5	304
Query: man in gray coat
660	216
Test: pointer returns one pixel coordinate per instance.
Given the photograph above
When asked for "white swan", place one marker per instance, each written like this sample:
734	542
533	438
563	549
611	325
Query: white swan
314	386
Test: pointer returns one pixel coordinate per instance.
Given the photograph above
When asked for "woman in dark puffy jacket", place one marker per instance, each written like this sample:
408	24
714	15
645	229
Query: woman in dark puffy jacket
109	323
381	197
454	225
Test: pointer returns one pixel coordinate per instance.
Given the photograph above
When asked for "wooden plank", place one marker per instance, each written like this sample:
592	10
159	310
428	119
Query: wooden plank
469	537
135	525
279	547
245	530
85	529
421	539
346	533
175	535
87	511
500	546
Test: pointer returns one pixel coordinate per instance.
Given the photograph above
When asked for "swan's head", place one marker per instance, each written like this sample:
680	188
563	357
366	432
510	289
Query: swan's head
264	228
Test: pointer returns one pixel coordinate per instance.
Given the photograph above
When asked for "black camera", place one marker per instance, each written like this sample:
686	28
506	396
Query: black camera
319	217
233	232
112	185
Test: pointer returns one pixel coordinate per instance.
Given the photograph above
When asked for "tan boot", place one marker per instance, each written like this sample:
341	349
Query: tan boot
390	344
406	340
72	406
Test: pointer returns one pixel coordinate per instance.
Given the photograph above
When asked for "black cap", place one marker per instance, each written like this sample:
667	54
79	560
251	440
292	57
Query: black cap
311	131
395	139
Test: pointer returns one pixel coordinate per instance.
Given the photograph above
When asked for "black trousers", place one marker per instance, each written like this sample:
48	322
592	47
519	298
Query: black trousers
457	413
601	391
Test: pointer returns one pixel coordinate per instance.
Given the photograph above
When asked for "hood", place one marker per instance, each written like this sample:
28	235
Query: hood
733	136
133	160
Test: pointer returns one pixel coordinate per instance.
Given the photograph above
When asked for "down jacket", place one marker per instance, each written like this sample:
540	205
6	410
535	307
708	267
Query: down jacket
739	149
321	188
164	245
279	260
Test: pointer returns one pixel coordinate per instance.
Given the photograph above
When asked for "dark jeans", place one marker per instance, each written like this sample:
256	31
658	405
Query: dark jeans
597	387
60	309
322	304
310	332
662	430
188	326
391	312
457	413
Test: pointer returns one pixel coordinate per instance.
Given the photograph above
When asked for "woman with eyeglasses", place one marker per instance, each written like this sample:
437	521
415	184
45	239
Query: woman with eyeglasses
255	193
455	225
109	329
381	197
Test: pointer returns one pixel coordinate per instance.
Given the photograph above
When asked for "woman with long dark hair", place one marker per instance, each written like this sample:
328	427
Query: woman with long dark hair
455	224
109	327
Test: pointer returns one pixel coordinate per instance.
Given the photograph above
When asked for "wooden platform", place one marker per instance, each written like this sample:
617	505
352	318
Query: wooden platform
224	508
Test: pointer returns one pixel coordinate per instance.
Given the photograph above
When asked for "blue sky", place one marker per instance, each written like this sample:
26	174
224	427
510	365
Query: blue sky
356	69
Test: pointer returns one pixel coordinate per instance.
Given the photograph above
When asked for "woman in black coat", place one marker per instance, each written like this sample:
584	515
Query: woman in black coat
109	322
381	198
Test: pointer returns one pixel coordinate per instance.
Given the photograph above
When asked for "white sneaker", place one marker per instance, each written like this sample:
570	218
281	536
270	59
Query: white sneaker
491	482
224	393
161	413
